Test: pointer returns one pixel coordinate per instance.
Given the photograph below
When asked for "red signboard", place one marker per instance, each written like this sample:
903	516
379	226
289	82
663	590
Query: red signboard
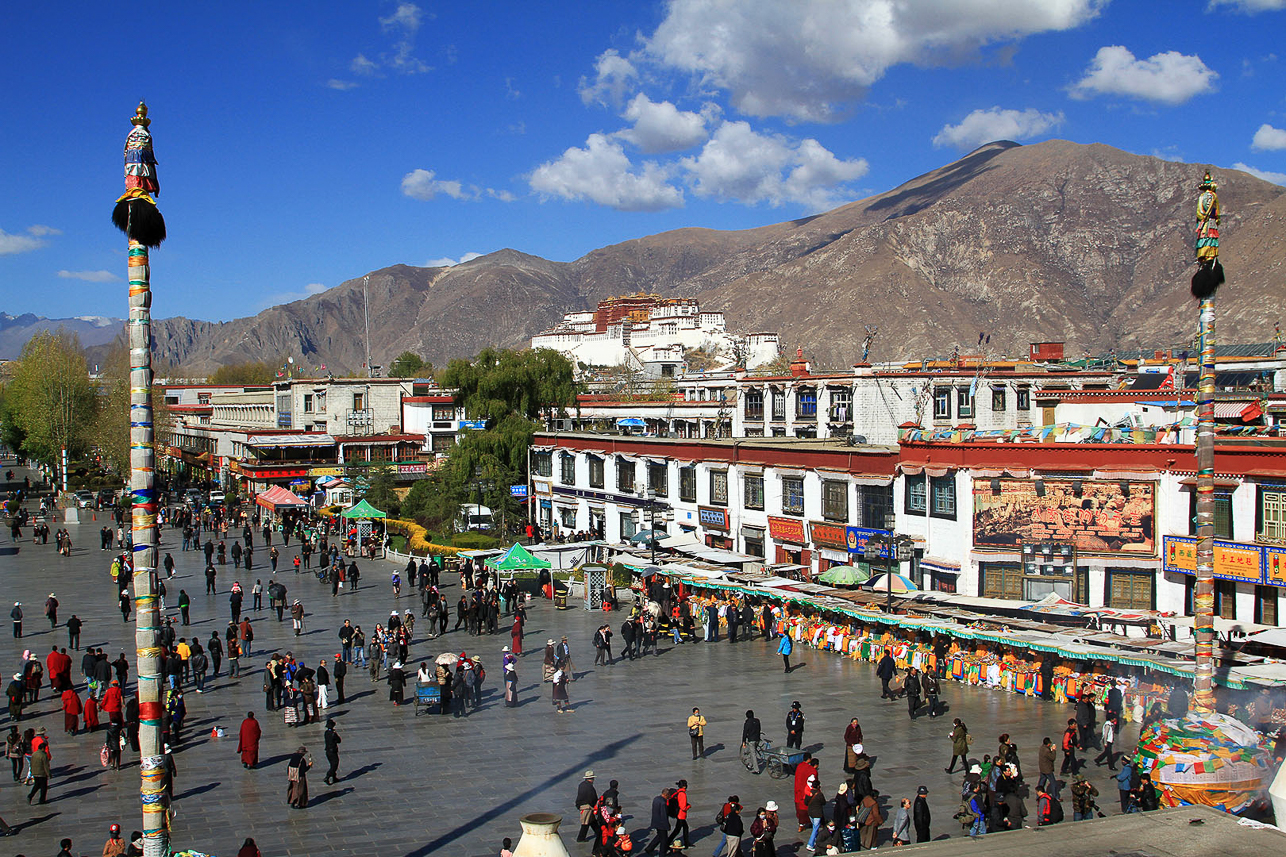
787	530
828	535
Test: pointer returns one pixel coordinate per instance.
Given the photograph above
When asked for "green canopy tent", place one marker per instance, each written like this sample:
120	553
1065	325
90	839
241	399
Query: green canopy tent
517	558
362	517
846	575
362	511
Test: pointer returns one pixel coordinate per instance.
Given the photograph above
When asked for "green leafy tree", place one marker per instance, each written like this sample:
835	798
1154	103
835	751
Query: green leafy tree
248	373
380	492
408	364
500	382
51	398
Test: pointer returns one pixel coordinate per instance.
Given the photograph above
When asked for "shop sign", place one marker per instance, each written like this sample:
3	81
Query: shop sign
855	539
1275	566
828	535
314	472
518	490
787	530
1233	560
713	518
418	469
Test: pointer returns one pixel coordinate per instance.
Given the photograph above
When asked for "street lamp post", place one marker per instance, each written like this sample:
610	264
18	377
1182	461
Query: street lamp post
649	497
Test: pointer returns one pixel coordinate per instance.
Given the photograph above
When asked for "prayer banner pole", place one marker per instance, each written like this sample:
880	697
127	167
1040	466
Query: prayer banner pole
1205	282
137	216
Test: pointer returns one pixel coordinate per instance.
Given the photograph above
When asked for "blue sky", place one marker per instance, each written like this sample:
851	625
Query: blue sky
304	144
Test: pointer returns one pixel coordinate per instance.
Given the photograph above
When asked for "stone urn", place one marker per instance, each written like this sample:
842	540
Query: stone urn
540	836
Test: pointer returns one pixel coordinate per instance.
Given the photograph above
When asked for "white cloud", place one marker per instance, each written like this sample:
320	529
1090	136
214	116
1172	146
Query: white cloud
89	276
1250	7
614	75
602	173
740	164
662	127
405	18
342	85
290	297
984	126
1168	78
403	25
1266	175
421	184
14	243
810	59
362	65
1268	139
448	262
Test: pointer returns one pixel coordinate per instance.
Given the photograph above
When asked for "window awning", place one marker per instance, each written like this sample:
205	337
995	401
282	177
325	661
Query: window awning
1244	411
631	422
943	566
274	440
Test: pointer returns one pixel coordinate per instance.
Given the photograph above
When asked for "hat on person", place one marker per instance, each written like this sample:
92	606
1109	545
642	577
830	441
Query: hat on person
589	775
504	648
922	791
51	595
975	769
549	642
795	704
771	806
115	828
812	778
857	748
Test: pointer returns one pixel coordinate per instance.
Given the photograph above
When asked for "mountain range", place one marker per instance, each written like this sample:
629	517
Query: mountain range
1084	244
92	330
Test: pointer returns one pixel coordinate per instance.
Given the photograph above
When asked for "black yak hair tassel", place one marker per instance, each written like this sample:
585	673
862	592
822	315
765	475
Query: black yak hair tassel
1208	278
138	217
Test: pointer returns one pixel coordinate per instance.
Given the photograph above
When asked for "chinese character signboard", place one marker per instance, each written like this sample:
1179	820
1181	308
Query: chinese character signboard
1233	560
518	490
787	530
828	535
1275	566
1097	516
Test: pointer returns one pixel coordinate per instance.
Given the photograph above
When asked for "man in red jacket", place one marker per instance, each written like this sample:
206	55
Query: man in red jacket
113	702
681	822
805	769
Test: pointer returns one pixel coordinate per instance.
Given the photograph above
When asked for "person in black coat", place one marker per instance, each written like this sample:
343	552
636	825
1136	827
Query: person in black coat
912	685
660	821
396	683
332	740
586	798
920	815
885	670
338	672
627	634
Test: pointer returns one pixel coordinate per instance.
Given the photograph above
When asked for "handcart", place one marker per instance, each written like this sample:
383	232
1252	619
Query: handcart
780	763
427	694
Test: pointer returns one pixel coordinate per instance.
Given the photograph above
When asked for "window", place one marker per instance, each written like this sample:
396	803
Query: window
1225	599
1223	514
567	468
1266	605
778	405
841	406
917	502
658	479
1130	589
441	442
792	495
308	403
359	401
1272	514
876	502
625	476
718	487
754	491
998	399
941	581
628	527
542	463
754	404
964	402
942	403
568	518
806	404
754	541
1022	400
943	493
688	484
1189	595
443	413
835	500
595	472
1002	580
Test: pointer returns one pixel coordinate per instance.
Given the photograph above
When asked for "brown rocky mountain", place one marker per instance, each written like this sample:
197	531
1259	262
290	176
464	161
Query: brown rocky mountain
1062	241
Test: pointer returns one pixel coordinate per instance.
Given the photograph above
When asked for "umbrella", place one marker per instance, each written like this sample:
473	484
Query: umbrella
845	575
645	536
447	659
900	584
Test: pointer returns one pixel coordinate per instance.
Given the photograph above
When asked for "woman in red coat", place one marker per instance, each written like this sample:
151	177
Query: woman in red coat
248	740
71	711
91	713
112	702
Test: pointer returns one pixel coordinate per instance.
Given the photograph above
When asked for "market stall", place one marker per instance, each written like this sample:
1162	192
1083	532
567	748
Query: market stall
364	530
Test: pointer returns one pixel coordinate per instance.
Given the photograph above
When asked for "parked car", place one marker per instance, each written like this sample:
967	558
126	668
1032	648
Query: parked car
216	498
106	497
192	497
84	499
474	518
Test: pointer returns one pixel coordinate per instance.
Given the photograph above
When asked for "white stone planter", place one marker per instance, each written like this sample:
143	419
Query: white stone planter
540	836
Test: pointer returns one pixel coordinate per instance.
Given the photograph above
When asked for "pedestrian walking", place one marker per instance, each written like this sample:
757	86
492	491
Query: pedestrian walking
660	822
1070	742
681	809
885	670
297	778
332	739
586	799
960	741
248	740
16	615
74	624
1046	756
751	736
921	817
1109	737
784	648
697	732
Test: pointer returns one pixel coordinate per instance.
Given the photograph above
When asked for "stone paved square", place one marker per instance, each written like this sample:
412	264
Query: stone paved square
439	785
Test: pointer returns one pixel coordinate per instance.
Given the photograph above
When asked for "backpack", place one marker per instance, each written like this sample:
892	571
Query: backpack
1055	810
720	816
672	806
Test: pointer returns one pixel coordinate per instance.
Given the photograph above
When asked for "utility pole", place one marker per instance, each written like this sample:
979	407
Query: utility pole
137	216
366	315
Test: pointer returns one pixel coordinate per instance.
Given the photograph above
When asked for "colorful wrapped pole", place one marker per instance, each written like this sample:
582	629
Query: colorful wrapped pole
137	216
1204	284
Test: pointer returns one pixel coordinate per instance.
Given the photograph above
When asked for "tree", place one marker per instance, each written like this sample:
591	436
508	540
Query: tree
256	373
500	382
50	398
408	364
380	492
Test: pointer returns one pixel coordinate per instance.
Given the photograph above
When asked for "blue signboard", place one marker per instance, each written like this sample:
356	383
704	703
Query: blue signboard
518	490
856	537
473	424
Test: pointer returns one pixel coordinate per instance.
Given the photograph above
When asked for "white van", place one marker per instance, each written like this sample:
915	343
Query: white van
474	517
